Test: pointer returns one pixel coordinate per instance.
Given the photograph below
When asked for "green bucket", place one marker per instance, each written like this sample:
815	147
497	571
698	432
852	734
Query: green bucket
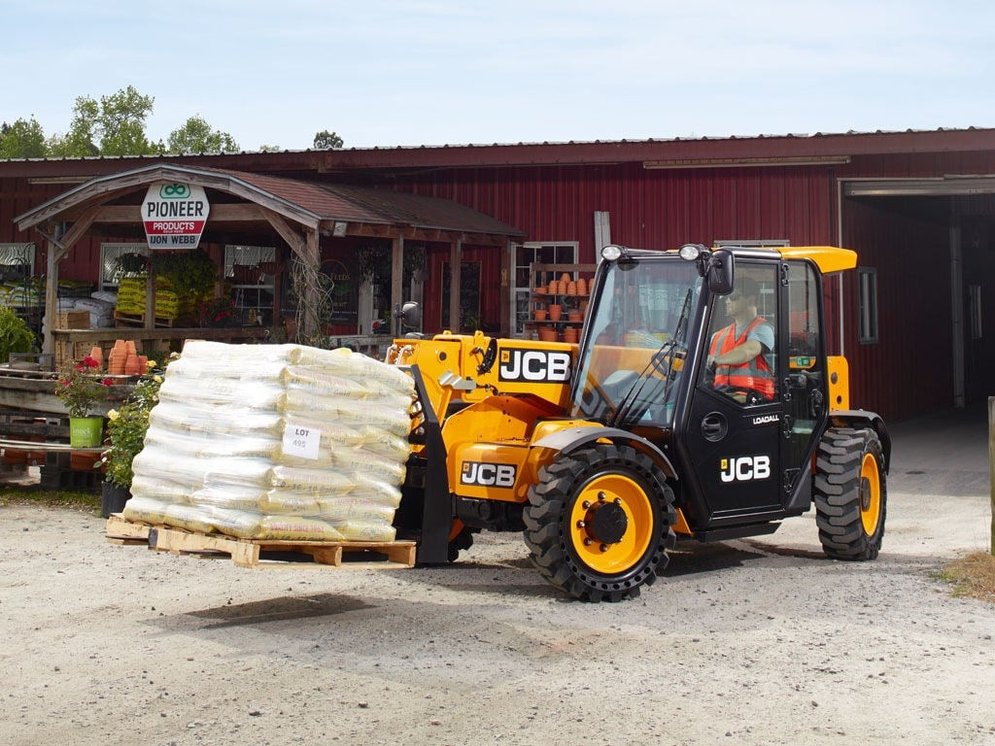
85	432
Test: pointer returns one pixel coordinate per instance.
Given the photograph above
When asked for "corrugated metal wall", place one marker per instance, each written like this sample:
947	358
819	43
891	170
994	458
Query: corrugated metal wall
648	208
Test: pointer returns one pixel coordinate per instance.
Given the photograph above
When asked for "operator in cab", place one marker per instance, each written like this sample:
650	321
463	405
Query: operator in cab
737	352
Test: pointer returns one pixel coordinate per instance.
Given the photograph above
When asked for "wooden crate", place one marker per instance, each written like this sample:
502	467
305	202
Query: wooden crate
68	352
266	553
72	320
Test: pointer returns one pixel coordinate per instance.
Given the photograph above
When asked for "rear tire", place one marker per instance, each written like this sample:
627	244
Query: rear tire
598	523
850	493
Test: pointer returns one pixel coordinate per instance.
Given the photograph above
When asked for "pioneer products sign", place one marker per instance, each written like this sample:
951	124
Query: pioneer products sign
174	215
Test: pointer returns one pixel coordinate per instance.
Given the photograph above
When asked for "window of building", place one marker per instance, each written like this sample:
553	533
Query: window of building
524	255
251	272
867	283
110	273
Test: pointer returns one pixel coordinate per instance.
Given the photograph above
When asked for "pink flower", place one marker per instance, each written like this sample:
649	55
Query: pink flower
108	381
89	362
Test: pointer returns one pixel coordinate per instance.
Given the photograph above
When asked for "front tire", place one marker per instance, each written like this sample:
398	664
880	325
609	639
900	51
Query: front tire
850	493
598	523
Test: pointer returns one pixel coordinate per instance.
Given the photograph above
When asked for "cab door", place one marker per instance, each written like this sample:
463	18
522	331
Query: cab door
804	384
734	442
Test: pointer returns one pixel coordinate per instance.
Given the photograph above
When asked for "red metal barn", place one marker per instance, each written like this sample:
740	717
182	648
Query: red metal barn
916	206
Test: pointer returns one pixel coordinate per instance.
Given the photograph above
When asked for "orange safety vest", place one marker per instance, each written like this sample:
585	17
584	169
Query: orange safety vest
754	375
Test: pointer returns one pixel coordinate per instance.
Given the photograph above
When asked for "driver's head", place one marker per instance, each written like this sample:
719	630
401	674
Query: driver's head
744	295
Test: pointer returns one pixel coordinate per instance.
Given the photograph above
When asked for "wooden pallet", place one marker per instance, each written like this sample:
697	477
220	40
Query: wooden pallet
268	553
120	531
138	319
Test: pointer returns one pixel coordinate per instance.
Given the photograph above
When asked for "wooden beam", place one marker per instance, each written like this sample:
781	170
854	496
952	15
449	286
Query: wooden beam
396	278
51	295
312	257
455	282
298	243
507	310
74	234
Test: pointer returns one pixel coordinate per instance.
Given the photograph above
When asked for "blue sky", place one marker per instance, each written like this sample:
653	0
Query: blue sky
432	72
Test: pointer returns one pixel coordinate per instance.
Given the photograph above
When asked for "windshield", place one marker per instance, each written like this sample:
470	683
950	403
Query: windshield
636	342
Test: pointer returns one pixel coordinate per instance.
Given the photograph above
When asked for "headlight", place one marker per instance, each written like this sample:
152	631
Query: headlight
691	251
611	253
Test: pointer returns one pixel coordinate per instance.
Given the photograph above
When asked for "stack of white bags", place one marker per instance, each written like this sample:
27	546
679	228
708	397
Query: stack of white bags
275	442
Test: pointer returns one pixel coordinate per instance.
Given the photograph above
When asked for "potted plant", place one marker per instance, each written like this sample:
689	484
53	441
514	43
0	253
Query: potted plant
126	428
80	388
15	336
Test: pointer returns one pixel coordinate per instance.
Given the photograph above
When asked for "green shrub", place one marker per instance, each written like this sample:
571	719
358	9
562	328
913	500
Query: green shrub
15	336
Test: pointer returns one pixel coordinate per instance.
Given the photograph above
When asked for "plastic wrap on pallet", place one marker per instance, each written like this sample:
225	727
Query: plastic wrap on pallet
275	442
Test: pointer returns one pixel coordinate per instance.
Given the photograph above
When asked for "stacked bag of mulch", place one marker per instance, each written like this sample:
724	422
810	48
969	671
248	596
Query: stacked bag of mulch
275	442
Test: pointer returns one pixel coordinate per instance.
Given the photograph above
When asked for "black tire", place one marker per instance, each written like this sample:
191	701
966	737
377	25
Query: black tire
577	523
850	493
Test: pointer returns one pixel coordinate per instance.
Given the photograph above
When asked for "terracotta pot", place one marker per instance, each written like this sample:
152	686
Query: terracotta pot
571	334
581	286
540	315
565	278
555	311
97	354
571	288
574	315
547	334
554	287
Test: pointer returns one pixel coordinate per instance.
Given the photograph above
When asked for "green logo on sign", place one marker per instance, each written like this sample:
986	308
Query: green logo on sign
174	191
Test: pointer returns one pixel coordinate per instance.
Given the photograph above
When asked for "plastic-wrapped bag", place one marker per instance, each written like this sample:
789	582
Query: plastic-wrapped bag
276	442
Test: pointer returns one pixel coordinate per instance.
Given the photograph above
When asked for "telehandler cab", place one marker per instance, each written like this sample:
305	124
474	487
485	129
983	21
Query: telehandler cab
604	453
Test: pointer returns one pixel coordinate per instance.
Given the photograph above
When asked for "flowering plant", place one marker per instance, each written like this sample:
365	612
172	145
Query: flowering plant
79	387
126	428
218	312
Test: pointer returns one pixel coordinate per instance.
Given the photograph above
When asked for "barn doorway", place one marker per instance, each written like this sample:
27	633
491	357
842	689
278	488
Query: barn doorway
926	284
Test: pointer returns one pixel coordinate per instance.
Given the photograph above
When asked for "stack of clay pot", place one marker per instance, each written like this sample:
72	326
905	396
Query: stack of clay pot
124	359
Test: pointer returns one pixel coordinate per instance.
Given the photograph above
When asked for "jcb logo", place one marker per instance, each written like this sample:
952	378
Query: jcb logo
745	468
534	365
488	475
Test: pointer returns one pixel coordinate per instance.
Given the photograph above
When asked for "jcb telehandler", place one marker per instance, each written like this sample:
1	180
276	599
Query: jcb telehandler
604	453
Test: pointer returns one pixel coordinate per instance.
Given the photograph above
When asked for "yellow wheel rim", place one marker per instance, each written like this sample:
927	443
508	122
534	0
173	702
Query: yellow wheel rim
870	494
615	557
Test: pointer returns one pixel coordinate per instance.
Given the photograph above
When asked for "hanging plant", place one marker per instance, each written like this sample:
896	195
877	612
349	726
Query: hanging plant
132	265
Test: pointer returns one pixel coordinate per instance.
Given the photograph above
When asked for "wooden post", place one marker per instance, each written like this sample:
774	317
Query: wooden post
311	322
396	282
455	283
508	307
51	295
991	465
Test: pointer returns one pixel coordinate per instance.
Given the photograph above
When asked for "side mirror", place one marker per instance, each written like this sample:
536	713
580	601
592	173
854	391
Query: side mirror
721	272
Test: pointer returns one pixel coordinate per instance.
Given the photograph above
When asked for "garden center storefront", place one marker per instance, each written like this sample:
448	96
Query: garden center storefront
272	254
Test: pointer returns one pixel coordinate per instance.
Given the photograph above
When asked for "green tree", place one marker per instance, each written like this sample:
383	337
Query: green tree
326	140
113	126
197	136
22	139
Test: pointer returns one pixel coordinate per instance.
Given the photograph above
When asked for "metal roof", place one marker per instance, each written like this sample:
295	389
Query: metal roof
673	152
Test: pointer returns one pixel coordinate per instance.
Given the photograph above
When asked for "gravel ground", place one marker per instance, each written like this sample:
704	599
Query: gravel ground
746	642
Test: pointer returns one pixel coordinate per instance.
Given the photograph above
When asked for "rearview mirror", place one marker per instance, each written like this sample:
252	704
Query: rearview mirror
721	272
